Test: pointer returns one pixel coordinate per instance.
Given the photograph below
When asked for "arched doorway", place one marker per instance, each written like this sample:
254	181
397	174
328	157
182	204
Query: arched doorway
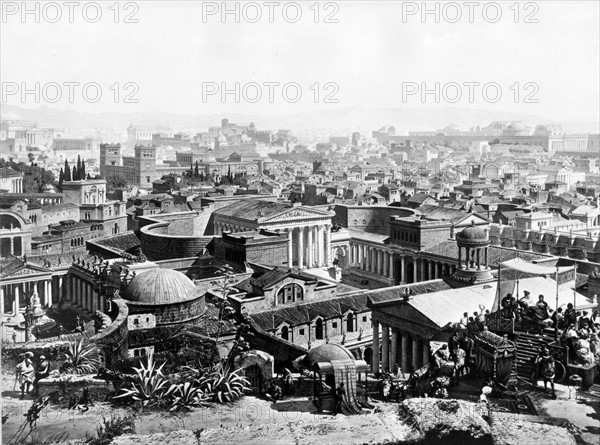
254	375
319	329
285	333
350	322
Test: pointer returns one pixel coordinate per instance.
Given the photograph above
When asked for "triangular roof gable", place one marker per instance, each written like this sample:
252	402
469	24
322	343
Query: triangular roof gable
15	269
471	217
296	213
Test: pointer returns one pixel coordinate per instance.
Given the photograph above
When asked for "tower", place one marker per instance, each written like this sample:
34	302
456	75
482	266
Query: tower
145	165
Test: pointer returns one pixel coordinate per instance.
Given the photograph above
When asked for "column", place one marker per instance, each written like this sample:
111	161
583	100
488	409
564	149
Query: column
478	258
429	269
378	261
319	245
415	267
459	256
425	352
402	270
2	298
310	248
47	300
486	258
328	261
415	354
390	271
394	355
422	269
290	248
375	364
17	294
301	248
404	352
385	347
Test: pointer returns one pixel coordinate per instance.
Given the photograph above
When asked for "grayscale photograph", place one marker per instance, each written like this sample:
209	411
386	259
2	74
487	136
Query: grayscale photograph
300	222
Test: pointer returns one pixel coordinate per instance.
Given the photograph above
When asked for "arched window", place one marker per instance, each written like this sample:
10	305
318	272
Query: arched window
285	332
319	329
290	293
350	322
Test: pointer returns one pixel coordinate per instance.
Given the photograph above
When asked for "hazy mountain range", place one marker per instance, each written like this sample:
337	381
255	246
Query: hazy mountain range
341	121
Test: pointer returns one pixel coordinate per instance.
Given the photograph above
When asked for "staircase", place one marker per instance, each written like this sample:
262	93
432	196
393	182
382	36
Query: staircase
528	346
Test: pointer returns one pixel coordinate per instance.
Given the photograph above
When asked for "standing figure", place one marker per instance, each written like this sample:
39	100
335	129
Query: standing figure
546	362
340	393
42	372
25	374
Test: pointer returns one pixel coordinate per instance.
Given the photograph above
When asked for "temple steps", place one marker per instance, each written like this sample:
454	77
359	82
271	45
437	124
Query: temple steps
528	346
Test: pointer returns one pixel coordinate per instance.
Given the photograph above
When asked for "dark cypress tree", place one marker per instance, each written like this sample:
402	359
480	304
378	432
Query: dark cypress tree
61	178
74	175
78	177
67	171
196	170
82	174
229	174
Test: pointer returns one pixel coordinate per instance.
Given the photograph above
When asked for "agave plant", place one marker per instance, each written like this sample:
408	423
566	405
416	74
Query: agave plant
186	395
150	386
223	384
80	358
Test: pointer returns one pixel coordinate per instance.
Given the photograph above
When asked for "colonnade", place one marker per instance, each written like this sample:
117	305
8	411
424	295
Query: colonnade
372	259
397	347
82	292
14	295
309	246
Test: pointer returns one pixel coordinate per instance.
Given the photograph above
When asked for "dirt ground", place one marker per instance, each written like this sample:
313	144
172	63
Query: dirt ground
256	421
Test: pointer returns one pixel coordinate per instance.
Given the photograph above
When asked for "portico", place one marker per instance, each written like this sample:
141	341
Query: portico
308	228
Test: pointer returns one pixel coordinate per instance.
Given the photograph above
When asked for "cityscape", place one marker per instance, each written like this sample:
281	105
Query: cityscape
263	272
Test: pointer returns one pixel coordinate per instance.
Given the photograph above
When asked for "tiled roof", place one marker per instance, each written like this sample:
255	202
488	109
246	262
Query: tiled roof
395	292
119	243
306	312
496	254
250	209
7	172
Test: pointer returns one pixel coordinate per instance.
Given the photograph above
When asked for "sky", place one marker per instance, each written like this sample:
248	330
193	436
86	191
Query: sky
178	57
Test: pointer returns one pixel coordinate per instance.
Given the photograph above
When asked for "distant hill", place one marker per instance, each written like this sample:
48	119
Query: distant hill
341	121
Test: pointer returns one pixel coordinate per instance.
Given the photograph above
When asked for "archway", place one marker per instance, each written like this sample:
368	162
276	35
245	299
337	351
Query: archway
260	359
350	322
285	333
319	329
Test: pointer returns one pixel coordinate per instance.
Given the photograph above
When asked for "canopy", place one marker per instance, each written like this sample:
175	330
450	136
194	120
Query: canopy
534	269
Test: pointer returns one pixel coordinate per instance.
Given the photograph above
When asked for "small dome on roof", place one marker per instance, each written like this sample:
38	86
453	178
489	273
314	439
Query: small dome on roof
160	286
472	233
326	353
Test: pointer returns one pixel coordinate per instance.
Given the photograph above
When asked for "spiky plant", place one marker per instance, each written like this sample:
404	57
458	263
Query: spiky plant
80	358
186	395
150	386
223	384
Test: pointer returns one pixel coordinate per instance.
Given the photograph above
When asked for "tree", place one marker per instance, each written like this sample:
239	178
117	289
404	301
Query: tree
67	171
77	177
82	174
74	175
61	178
196	170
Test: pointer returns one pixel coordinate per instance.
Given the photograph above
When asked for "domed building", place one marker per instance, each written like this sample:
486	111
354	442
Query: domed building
162	297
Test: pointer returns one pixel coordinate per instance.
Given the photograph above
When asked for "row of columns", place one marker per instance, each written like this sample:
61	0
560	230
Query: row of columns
13	295
313	246
472	258
372	259
431	270
84	294
397	348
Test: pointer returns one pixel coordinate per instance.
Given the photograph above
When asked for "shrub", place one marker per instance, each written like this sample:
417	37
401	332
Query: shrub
150	386
223	384
112	428
186	395
81	359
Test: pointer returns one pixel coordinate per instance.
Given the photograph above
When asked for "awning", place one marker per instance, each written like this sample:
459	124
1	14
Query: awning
534	269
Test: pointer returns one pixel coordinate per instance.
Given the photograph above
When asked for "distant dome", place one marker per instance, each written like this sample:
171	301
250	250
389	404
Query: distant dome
472	234
160	286
326	353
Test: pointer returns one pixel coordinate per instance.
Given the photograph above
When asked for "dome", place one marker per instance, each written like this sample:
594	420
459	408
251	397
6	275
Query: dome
326	353
472	234
160	286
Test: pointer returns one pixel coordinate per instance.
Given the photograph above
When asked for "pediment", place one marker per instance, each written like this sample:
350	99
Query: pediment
25	269
470	219
298	214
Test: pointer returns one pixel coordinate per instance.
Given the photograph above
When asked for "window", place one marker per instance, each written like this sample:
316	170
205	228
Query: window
364	319
319	329
334	325
350	322
147	178
285	332
290	293
301	331
136	321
